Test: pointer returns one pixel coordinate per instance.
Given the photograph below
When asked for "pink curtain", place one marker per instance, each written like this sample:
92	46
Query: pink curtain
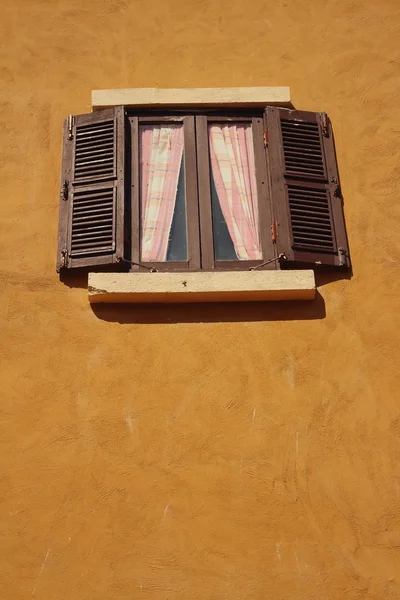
233	167
161	150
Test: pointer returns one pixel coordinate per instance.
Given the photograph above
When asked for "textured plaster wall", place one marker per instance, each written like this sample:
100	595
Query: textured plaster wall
210	453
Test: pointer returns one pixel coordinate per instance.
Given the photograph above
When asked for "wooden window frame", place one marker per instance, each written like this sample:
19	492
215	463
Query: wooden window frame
263	192
200	240
191	195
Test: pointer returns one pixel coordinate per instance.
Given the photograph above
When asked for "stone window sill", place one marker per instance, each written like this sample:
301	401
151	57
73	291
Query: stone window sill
192	97
215	286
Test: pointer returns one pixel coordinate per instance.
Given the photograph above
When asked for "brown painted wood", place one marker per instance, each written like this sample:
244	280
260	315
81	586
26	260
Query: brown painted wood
96	261
224	119
336	198
282	180
105	115
272	187
271	219
225	112
120	172
280	209
92	186
203	170
191	196
65	204
263	193
135	194
158	119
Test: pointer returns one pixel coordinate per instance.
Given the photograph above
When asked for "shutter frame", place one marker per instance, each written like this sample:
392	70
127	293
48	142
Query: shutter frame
307	190
93	235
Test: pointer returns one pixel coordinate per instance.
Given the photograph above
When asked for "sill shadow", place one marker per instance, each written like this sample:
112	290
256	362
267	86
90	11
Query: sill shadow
74	279
212	312
325	277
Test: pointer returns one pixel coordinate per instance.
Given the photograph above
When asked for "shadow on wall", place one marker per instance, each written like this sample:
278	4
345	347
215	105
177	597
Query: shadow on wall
220	312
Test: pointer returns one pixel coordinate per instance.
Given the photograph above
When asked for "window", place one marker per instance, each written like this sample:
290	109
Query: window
200	191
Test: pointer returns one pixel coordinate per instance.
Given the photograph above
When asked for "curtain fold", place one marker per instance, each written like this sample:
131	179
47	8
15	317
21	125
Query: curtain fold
161	151
233	168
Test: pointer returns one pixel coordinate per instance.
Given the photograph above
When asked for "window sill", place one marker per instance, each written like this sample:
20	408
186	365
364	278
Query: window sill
203	286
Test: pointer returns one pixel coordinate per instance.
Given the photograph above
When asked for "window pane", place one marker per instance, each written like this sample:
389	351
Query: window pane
234	192
223	245
162	193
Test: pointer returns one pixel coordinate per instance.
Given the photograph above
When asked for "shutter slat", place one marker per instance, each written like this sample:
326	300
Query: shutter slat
89	153
89	162
103	227
298	139
94	197
103	215
97	130
85	217
304	231
311	214
88	145
99	137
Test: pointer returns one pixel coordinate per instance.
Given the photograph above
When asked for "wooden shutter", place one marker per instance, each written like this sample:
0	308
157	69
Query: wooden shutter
92	190
307	204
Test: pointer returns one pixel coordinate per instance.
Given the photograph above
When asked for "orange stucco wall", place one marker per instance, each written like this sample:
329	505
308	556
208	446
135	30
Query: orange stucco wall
211	453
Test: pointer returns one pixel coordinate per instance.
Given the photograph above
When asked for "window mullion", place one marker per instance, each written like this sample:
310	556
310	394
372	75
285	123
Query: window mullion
191	193
204	194
135	195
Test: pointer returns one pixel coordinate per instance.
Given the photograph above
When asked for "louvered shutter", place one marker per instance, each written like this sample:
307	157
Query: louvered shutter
92	190
306	197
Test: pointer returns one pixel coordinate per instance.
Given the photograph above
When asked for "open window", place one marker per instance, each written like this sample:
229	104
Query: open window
211	191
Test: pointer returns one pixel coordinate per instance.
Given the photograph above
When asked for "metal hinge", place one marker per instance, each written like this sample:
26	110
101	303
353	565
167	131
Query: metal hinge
266	138
336	187
342	257
70	127
65	190
324	124
63	261
274	231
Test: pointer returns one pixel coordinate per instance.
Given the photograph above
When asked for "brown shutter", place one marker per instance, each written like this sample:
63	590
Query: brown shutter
92	190
307	203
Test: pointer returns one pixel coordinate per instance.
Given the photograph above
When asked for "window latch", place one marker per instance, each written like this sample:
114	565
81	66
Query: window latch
65	190
138	264
70	126
274	231
281	258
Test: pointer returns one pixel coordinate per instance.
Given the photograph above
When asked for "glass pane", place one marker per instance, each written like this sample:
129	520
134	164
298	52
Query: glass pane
234	192
223	245
162	193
